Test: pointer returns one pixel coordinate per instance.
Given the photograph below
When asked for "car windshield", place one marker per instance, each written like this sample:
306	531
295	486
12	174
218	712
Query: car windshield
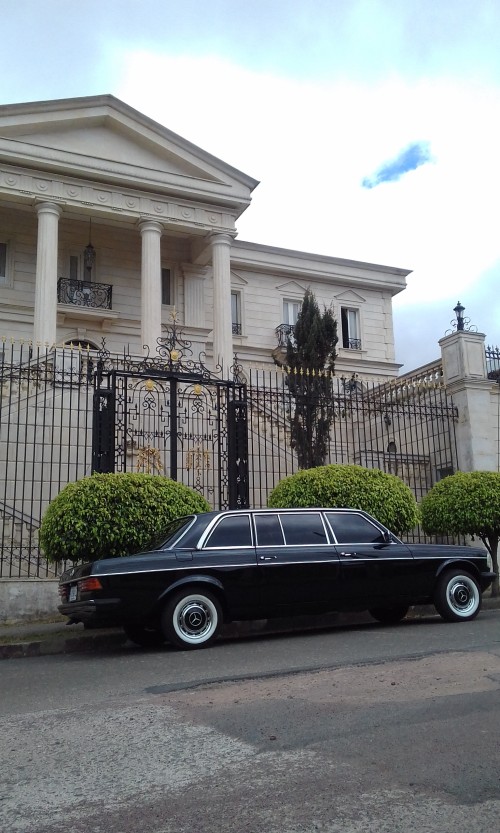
171	533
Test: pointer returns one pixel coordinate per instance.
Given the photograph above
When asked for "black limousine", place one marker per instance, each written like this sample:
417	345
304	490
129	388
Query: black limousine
218	567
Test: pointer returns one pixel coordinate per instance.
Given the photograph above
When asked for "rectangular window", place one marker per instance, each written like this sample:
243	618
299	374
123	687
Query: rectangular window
74	268
166	289
3	263
236	313
351	335
291	311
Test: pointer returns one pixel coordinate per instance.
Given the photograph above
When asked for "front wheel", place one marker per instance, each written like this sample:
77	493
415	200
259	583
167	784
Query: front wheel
457	597
192	619
389	615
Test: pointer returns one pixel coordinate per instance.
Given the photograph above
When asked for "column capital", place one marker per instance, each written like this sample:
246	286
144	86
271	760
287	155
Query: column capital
222	238
48	207
150	225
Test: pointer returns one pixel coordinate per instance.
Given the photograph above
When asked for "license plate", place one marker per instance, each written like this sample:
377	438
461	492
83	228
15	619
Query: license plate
72	593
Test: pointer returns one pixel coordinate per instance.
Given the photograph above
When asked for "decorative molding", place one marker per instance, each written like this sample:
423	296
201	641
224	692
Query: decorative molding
134	205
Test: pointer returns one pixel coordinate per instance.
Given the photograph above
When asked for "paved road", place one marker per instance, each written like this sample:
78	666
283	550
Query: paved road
353	730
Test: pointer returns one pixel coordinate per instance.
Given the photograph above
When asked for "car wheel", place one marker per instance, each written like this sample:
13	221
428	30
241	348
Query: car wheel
144	636
389	615
192	619
457	597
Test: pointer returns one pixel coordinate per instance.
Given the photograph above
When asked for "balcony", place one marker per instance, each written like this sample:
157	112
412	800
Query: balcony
86	301
352	344
284	333
84	293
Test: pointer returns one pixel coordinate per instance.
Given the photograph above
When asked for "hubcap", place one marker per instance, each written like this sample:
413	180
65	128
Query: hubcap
195	619
462	596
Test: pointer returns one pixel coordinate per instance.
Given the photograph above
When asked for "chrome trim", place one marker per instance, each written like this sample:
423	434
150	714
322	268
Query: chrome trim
203	567
216	521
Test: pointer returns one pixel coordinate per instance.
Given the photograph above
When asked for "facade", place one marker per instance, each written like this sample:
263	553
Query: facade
111	225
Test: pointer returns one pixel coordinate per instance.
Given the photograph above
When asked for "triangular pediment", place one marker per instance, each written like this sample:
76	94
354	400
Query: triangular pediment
292	288
103	139
350	297
237	280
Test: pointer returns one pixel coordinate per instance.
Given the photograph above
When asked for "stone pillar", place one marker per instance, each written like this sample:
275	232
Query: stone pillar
151	232
45	319
194	295
223	331
465	377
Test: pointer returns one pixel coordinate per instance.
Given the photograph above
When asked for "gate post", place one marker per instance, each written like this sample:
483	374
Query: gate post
103	424
238	454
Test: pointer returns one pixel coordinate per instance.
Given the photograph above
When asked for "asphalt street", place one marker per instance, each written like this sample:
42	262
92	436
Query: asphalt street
347	730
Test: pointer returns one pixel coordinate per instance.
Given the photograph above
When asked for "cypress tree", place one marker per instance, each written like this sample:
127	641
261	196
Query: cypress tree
310	364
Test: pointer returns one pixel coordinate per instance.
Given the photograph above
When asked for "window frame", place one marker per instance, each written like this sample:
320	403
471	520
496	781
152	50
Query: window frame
292	302
350	332
206	543
6	280
167	268
236	312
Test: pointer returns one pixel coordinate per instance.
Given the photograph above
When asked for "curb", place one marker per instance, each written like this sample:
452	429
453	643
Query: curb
56	642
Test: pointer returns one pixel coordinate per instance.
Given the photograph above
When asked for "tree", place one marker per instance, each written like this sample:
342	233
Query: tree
466	503
382	495
111	515
309	363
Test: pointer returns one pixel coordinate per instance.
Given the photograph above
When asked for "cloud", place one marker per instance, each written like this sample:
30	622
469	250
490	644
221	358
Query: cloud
411	158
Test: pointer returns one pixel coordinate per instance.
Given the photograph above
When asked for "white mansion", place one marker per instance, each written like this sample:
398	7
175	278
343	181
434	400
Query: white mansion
109	222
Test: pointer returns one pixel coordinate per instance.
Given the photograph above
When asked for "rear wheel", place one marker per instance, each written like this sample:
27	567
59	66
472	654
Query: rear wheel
192	619
457	597
144	636
389	615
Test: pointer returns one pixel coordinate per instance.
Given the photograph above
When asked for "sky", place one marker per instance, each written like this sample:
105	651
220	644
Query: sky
373	126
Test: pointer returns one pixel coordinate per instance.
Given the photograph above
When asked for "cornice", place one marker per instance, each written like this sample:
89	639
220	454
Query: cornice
83	197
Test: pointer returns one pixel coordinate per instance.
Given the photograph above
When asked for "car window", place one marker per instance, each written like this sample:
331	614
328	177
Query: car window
232	531
354	529
269	531
303	528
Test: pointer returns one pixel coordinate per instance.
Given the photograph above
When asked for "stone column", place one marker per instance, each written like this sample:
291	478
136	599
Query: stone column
223	331
151	232
465	377
45	319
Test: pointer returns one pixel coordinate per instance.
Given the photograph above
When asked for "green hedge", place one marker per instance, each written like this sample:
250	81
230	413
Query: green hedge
383	495
111	515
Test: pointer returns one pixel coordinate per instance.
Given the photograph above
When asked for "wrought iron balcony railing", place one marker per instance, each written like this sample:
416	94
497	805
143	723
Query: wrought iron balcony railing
84	293
353	344
236	328
283	333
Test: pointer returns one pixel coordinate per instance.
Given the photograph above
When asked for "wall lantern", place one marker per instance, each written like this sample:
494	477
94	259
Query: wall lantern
89	253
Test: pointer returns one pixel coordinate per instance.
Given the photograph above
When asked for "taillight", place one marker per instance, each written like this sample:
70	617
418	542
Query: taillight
86	585
63	592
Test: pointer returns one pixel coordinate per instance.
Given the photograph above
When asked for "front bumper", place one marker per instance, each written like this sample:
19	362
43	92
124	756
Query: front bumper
486	579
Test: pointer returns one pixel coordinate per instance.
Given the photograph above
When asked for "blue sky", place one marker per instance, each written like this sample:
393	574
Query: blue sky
373	125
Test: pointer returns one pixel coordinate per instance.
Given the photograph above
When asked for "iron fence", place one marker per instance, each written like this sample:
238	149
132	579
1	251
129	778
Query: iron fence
47	430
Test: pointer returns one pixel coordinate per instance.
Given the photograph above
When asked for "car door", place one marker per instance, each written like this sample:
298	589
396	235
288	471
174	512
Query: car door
228	555
375	567
299	566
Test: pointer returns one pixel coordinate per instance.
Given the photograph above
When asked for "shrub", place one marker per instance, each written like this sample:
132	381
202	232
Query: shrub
111	515
383	495
466	503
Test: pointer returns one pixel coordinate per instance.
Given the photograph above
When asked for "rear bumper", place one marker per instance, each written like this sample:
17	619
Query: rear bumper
98	612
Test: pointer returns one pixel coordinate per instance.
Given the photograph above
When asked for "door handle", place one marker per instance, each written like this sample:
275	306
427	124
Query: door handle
268	557
349	554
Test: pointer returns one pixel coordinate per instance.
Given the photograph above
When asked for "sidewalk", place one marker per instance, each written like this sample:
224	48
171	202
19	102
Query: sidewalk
36	639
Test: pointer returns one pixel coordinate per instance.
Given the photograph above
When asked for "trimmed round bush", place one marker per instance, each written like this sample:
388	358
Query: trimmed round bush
382	495
111	515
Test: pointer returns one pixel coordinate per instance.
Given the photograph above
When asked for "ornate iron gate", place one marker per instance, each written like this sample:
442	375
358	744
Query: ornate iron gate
163	416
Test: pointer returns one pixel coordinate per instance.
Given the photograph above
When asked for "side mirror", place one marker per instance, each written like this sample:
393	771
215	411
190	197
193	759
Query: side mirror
387	537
